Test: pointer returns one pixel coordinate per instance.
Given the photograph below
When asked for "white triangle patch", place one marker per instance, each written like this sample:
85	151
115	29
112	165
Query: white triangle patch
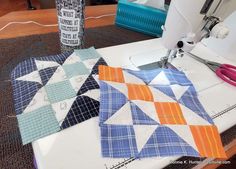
129	78
96	78
120	87
40	99
179	90
192	118
160	79
94	94
89	63
73	58
62	108
78	81
160	96
148	108
58	76
142	134
45	64
31	77
122	117
184	132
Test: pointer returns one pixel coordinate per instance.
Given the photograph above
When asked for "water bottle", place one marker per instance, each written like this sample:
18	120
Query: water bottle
71	23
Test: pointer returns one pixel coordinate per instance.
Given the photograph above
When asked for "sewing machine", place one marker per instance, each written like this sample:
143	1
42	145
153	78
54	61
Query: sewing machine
190	21
79	146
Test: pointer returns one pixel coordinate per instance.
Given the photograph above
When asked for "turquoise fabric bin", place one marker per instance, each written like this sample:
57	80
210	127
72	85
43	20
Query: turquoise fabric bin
140	18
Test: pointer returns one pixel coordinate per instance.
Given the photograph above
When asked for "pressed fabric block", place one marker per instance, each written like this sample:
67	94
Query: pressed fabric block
153	113
55	92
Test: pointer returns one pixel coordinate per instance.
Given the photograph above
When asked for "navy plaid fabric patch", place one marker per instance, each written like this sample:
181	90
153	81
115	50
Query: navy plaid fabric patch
24	68
56	58
89	84
23	93
82	109
46	74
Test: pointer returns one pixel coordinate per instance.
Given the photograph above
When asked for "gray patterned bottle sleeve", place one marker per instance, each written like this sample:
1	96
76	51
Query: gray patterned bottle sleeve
71	23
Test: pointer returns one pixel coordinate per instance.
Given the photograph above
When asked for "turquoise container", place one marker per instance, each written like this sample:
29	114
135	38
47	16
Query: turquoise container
140	18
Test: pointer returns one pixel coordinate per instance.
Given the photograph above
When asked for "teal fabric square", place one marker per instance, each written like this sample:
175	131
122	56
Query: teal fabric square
60	91
86	54
75	69
37	124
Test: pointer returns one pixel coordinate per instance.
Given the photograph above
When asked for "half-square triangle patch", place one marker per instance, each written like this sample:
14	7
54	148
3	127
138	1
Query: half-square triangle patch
79	112
107	101
160	79
146	76
139	117
165	142
142	134
46	74
101	61
148	108
89	84
179	90
122	117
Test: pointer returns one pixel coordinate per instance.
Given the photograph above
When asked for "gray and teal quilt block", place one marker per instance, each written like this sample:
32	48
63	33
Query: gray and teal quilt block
55	92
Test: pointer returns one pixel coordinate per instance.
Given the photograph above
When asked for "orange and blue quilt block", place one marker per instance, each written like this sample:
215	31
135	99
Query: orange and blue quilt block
153	113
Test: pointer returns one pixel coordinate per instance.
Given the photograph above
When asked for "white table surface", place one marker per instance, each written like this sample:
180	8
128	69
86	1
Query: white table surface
78	147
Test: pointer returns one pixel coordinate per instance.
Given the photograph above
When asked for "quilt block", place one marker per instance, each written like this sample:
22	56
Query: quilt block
55	92
153	113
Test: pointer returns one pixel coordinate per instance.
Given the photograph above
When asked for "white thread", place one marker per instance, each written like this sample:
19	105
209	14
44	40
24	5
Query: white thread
27	22
98	17
11	116
39	24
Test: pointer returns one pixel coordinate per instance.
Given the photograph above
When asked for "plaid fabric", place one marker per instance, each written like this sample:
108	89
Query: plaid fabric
46	74
139	118
169	144
112	100
89	84
23	93
37	124
82	109
174	76
55	92
153	113
122	142
60	59
24	68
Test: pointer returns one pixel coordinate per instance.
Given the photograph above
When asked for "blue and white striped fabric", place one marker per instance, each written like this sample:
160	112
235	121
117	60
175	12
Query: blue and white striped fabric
55	92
